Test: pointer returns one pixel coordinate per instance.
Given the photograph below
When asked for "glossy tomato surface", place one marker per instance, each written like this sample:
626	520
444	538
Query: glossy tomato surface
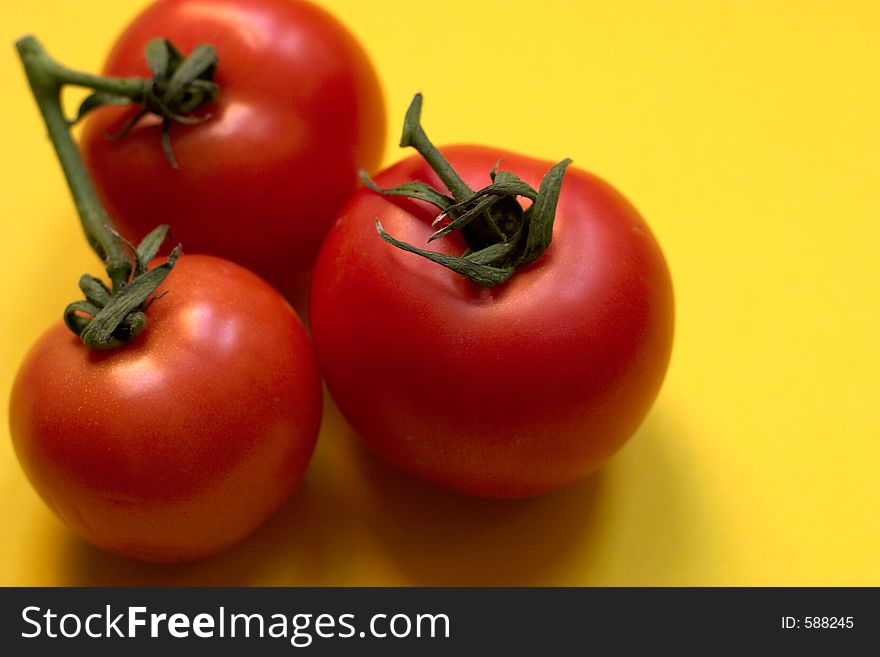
184	441
300	111
503	392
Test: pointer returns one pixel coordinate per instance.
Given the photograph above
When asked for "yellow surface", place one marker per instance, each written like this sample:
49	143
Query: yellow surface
746	132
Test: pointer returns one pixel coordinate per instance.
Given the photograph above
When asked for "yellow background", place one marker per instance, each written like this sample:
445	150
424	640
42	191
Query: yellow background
746	132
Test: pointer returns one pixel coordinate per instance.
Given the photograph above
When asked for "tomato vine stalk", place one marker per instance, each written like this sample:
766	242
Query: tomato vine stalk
110	317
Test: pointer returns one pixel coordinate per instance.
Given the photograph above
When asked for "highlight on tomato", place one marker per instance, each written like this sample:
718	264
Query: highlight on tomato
285	110
178	403
518	350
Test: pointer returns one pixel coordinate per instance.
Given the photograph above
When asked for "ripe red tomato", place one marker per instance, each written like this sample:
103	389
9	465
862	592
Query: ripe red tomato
300	111
182	442
507	391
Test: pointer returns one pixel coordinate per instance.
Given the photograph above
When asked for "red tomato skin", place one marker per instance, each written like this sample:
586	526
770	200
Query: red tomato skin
505	392
181	443
299	113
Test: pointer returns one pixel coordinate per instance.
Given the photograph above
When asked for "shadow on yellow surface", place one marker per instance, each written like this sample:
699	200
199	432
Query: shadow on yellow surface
436	538
355	514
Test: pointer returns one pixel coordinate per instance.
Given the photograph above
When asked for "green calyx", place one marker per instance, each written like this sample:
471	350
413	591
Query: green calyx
108	317
500	236
179	85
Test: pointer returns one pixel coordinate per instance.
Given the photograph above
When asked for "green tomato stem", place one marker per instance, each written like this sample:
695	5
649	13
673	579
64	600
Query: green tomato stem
46	78
134	88
414	135
110	318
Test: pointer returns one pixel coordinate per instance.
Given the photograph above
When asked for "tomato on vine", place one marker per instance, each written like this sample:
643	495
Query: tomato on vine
521	353
175	408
